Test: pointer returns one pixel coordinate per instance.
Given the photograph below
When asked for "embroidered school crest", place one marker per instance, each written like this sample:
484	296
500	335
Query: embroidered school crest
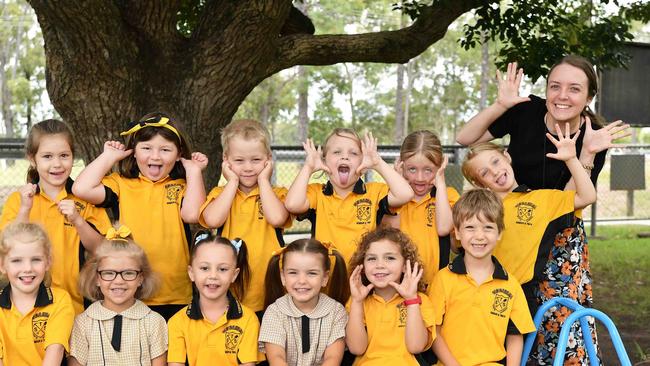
525	211
402	315
431	212
39	323
501	301
79	205
260	211
233	335
173	192
363	207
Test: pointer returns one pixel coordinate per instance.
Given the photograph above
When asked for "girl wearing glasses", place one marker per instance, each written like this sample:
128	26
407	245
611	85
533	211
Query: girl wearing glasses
118	328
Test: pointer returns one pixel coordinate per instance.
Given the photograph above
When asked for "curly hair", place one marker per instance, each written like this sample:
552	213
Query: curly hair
408	250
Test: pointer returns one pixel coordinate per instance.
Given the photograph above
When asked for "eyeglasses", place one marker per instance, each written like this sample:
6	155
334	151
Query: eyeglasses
128	275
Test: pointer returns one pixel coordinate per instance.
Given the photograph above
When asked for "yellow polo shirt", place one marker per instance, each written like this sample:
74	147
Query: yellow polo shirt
476	319
342	221
68	254
152	210
246	221
24	338
232	340
418	221
386	326
532	219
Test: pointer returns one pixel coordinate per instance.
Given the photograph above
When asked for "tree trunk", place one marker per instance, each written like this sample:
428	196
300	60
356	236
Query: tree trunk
485	70
303	103
111	62
398	134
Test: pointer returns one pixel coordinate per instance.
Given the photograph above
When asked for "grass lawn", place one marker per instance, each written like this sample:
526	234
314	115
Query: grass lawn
620	263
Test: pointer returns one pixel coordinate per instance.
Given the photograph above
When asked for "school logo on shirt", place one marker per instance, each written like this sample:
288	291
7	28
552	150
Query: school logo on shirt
431	212
525	211
501	300
363	206
260	211
173	192
233	335
80	206
39	323
402	315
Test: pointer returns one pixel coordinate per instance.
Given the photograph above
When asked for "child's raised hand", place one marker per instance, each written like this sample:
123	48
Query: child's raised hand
566	146
358	291
440	174
408	289
68	209
370	155
267	171
198	161
313	158
227	172
599	140
508	89
116	150
27	193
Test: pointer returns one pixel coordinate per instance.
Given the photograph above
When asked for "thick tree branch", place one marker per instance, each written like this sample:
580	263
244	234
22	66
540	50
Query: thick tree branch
390	46
154	20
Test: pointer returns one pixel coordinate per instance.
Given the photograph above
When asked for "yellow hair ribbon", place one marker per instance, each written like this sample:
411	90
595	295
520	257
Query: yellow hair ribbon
122	233
152	122
330	252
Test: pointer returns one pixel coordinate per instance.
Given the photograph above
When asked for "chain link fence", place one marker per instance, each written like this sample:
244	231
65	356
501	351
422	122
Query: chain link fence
622	194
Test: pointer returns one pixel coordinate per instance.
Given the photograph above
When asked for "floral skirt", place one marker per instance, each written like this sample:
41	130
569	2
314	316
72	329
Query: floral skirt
566	274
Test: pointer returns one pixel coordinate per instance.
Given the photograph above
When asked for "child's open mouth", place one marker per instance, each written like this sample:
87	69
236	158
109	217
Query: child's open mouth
344	174
27	280
154	170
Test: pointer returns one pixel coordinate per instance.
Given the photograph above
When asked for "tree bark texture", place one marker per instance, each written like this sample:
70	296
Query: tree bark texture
109	62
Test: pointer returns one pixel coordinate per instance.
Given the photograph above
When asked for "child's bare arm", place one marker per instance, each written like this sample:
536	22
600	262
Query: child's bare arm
444	222
356	336
442	351
53	355
334	353
88	236
217	211
400	191
566	151
160	360
71	362
274	211
275	355
476	129
88	185
416	334
296	201
195	188
514	348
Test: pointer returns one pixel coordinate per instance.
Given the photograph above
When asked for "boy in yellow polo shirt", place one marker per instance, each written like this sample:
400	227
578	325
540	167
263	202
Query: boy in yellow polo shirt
479	307
532	217
248	206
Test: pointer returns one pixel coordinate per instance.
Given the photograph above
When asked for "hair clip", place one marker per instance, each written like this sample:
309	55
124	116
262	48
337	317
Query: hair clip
236	244
121	233
199	238
151	122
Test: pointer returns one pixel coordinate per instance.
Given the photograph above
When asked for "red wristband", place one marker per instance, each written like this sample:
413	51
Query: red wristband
417	300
